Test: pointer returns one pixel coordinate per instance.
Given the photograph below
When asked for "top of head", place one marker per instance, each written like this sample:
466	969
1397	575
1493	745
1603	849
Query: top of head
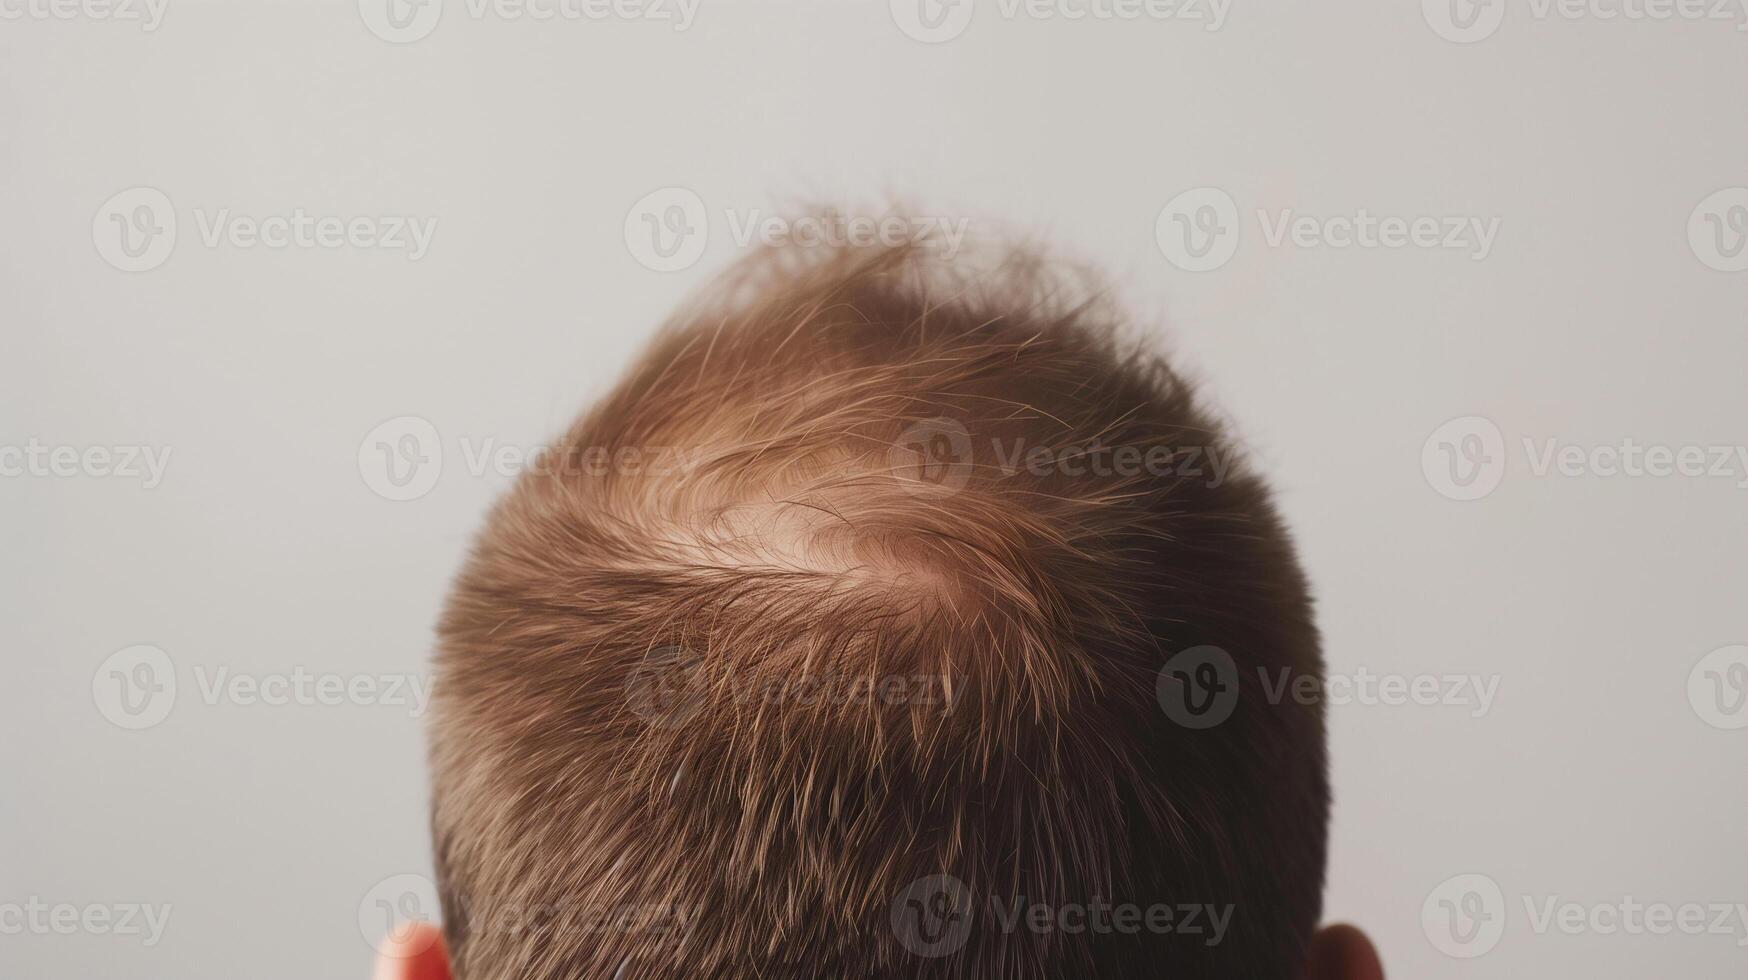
855	594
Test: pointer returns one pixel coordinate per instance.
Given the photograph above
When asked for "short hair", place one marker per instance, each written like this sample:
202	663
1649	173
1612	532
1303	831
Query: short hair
887	494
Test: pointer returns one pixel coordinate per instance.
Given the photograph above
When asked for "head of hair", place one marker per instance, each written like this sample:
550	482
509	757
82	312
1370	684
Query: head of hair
843	609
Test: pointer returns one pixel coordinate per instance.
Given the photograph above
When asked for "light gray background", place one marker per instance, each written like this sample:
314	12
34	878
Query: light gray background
1593	777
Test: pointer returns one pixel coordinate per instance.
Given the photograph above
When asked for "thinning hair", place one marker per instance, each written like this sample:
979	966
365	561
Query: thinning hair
882	494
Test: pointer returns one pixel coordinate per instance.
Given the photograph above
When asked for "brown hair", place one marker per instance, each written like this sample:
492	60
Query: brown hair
836	642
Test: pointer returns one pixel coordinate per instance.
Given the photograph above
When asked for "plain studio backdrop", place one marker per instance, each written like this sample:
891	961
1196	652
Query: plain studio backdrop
1578	292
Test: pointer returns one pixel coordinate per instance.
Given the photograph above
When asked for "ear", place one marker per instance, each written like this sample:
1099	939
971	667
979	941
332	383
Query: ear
1343	953
413	951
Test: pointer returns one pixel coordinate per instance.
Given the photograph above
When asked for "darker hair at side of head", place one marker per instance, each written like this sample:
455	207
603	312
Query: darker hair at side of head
832	643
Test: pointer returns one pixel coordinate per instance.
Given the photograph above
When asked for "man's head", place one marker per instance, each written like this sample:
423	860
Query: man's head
882	624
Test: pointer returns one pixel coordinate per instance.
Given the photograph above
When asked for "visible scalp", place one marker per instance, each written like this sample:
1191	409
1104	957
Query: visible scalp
809	538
